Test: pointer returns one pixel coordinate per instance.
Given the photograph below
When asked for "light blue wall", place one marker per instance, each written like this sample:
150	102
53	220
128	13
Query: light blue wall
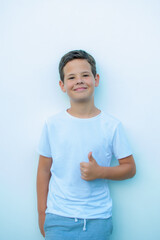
124	38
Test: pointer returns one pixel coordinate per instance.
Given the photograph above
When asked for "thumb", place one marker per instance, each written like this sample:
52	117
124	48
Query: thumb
90	157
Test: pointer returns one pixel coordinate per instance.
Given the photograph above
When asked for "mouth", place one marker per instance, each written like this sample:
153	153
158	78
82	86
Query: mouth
80	89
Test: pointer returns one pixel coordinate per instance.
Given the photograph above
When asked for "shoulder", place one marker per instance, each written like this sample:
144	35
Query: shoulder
57	117
114	128
110	119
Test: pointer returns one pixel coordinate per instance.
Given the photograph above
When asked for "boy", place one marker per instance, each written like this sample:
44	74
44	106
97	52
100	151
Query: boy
76	149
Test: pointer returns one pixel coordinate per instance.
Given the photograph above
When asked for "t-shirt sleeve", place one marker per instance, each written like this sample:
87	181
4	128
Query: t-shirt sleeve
120	145
44	144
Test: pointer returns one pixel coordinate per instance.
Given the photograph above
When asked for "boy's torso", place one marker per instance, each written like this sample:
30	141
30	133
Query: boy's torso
71	139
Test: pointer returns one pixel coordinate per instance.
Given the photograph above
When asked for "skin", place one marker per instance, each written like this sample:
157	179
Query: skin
79	84
43	177
91	170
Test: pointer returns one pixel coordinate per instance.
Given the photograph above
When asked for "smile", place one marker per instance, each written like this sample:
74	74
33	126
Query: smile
80	89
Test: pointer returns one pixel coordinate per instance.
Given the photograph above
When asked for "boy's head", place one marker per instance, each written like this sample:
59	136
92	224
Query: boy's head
76	54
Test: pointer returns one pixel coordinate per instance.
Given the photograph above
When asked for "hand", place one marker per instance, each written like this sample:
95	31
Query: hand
90	170
41	223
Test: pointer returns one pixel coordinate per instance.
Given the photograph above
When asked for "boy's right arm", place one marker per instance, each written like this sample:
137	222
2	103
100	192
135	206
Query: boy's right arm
43	177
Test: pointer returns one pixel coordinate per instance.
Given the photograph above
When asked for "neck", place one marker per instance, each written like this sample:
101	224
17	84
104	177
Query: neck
82	110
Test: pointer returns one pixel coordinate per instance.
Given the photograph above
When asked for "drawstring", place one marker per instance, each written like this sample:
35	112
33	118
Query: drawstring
84	225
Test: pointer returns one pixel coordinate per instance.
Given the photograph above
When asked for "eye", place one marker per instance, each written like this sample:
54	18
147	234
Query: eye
71	78
86	75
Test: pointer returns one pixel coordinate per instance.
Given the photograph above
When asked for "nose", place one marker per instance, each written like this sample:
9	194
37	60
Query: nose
79	80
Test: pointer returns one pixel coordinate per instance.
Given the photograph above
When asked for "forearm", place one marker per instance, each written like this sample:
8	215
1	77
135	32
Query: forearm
43	178
91	170
119	172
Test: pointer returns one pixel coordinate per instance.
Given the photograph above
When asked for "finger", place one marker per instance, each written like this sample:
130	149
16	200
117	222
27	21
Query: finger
90	157
89	154
83	171
83	164
86	178
83	177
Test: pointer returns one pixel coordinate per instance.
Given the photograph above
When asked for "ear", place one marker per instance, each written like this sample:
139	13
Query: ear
97	80
61	84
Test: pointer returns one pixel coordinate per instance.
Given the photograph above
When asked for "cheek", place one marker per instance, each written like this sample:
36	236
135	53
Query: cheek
70	85
91	84
68	88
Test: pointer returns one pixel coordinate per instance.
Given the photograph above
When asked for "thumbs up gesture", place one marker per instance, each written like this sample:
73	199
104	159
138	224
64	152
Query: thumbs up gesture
90	170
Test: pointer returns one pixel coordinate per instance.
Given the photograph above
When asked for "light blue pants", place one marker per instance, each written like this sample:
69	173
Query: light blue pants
64	228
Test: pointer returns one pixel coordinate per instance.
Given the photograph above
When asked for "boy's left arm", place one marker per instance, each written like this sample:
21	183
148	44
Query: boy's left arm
91	170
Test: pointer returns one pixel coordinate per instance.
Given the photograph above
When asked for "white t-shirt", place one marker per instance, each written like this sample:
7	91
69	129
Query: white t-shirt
68	140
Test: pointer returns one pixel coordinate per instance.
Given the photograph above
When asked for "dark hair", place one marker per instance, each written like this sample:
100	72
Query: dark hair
76	54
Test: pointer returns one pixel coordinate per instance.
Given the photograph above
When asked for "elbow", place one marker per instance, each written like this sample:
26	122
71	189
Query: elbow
132	171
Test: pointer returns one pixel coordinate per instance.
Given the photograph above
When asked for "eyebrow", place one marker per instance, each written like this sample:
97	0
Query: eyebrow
86	72
71	74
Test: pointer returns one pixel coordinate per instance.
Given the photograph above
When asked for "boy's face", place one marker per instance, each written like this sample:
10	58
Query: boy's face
79	82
